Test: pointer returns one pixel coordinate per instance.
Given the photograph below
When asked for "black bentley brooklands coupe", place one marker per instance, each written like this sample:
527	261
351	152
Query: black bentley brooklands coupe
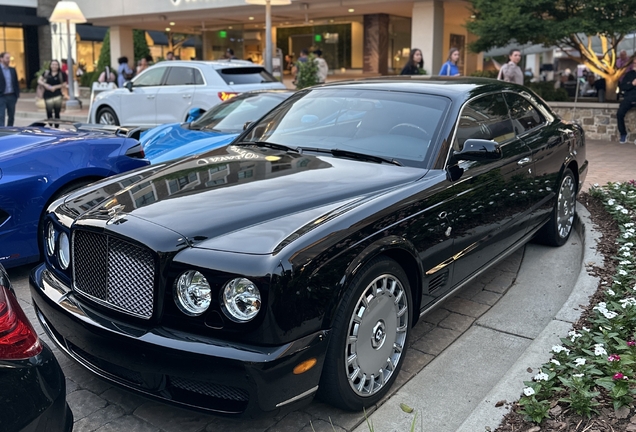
295	261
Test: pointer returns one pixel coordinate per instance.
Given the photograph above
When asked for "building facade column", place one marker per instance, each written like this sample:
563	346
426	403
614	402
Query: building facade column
427	33
376	44
121	44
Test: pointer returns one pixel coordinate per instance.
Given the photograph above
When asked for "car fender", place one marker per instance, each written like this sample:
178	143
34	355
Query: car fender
395	247
91	174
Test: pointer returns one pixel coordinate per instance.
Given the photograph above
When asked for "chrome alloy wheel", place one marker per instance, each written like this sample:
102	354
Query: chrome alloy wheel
565	206
376	335
106	118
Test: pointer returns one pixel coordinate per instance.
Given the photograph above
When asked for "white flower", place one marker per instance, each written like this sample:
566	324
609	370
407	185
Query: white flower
624	211
611	292
628	235
623	193
579	361
610	314
559	348
599	350
610	202
528	391
625	262
578	375
631	301
626	254
622	272
586	329
595	184
556	362
628	225
541	376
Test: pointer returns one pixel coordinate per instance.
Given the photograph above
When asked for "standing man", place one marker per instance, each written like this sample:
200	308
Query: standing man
9	89
169	55
323	67
511	72
628	86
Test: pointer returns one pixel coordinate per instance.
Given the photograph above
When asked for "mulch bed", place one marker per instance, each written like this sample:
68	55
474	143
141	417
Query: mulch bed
561	418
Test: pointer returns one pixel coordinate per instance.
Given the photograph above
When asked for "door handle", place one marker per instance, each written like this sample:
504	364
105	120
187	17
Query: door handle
186	96
150	97
524	161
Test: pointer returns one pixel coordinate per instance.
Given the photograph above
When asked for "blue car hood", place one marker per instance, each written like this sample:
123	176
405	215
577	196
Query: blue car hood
173	141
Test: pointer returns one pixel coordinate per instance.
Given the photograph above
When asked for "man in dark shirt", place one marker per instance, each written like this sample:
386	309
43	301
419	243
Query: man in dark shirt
628	86
9	89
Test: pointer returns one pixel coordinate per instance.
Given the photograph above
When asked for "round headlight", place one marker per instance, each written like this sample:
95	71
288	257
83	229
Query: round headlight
50	239
64	252
241	300
192	293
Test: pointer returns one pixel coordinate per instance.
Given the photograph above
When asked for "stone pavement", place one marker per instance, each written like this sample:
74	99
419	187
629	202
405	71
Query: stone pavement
446	333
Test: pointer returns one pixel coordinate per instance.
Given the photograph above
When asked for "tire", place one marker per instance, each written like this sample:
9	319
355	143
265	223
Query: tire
107	116
558	229
369	337
68	188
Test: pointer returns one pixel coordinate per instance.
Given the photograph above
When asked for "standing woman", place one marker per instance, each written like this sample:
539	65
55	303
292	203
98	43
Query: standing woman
450	67
53	80
511	72
415	63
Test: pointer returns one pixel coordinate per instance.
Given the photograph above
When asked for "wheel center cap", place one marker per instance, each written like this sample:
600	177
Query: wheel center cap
378	336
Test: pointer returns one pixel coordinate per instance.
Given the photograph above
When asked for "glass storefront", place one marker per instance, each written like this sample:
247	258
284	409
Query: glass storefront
88	54
12	41
399	43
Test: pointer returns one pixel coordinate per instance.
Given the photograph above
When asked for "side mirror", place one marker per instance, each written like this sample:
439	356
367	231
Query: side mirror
479	150
246	125
129	85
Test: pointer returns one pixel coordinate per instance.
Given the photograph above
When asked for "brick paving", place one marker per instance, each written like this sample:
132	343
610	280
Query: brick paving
98	406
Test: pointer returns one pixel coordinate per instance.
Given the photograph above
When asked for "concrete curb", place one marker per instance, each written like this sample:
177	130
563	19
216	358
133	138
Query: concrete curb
509	387
41	115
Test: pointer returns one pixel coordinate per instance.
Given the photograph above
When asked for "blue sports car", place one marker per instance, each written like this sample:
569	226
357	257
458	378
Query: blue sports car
39	164
216	128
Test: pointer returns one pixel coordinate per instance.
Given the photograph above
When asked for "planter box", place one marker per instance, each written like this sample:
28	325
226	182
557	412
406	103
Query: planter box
598	119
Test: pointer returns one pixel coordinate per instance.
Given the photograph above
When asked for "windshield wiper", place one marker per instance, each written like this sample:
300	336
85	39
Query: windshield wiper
270	145
353	155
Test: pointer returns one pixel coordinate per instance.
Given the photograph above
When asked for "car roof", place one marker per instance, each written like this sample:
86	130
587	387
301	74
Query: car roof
216	64
452	87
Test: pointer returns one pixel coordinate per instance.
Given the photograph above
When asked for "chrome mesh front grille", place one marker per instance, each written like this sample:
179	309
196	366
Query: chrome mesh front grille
114	272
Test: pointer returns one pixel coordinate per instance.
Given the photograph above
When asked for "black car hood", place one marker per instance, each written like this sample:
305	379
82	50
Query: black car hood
249	200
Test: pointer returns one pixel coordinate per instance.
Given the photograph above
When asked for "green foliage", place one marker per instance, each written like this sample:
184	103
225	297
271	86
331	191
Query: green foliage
140	45
484	74
104	54
549	22
307	73
546	90
88	78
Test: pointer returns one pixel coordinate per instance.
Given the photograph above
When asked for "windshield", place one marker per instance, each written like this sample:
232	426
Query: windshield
232	115
393	125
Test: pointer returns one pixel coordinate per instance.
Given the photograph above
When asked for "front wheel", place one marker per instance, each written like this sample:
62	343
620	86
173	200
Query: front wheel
557	231
107	116
370	337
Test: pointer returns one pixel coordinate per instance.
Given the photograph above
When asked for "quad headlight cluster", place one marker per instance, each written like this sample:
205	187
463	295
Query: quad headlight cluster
240	297
60	243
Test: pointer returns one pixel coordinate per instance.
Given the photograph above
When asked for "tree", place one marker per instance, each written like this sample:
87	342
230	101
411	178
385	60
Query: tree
140	49
176	41
567	24
140	45
307	73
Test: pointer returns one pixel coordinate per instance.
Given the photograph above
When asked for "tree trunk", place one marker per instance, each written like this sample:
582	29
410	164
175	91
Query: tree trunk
610	85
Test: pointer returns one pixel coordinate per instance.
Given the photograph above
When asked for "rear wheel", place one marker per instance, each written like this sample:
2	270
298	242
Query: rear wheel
557	231
370	336
107	116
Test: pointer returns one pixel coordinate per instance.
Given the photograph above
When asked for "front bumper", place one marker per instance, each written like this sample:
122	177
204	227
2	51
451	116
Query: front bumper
206	374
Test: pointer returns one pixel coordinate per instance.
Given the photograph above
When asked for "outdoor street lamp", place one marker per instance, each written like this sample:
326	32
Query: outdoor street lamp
69	12
268	26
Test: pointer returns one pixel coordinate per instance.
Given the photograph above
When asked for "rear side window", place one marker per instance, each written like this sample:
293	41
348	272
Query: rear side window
246	75
180	76
524	116
484	118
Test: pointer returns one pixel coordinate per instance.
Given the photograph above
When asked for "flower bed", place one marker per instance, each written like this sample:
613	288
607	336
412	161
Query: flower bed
597	361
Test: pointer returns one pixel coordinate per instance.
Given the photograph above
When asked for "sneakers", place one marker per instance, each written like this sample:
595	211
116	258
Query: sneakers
623	139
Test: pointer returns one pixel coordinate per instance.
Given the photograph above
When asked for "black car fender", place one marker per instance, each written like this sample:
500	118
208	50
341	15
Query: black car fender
392	246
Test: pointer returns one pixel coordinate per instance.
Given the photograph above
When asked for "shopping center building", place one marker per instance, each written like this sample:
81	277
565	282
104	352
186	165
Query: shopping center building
356	36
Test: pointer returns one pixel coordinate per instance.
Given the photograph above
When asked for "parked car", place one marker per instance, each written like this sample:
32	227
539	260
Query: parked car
217	127
296	260
32	384
39	164
167	91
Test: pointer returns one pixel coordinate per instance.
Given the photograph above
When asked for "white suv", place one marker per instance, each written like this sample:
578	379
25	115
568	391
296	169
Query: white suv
167	91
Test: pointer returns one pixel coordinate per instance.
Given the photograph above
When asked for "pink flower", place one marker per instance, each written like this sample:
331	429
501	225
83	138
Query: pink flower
619	376
614	357
631	343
